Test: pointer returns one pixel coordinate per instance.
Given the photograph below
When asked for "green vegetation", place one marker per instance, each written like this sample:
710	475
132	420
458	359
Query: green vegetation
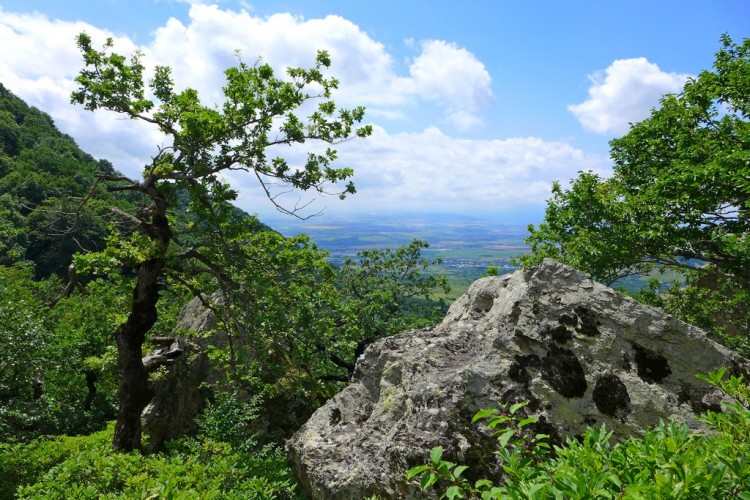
678	200
85	467
666	462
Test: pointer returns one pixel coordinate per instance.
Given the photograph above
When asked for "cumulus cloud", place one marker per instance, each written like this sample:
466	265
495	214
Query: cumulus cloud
624	93
427	170
452	76
44	61
431	171
442	73
41	70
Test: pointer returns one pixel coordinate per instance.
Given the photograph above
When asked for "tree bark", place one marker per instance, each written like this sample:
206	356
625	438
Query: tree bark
135	391
91	377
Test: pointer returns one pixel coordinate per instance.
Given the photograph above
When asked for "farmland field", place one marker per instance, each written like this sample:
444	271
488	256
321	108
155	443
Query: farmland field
467	246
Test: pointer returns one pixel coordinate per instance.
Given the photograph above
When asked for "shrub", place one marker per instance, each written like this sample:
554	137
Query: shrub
84	467
666	462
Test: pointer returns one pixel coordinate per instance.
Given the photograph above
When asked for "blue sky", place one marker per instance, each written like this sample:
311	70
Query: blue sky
478	106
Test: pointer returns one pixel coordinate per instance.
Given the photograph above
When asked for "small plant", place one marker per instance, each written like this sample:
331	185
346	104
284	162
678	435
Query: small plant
666	462
86	467
517	449
228	420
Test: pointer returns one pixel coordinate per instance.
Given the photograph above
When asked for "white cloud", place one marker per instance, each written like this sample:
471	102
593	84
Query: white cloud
44	61
625	93
442	73
428	170
431	171
453	77
41	69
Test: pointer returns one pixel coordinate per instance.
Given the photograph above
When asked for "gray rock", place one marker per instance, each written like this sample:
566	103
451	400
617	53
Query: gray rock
580	353
178	395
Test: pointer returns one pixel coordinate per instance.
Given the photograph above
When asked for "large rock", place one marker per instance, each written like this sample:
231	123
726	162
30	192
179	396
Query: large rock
178	392
580	353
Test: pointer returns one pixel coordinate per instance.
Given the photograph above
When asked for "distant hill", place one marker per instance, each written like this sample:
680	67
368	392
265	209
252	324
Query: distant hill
43	176
42	172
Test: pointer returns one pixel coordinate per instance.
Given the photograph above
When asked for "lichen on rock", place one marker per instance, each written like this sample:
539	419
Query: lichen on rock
577	351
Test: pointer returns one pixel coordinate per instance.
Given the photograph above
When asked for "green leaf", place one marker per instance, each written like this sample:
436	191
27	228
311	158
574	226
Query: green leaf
428	480
517	406
526	421
415	471
459	470
505	437
483	414
453	492
482	483
436	454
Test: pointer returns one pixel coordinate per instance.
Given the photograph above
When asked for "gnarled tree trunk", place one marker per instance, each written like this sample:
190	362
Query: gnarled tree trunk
135	391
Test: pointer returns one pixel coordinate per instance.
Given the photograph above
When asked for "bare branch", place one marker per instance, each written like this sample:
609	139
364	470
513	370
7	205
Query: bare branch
126	216
73	284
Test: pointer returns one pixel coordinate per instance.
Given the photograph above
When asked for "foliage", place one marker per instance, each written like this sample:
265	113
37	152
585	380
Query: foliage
678	198
227	419
41	171
666	462
85	467
13	231
294	325
388	291
206	142
24	351
57	366
720	308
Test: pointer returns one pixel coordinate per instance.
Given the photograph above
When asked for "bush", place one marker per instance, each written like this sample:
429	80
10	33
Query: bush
666	462
84	467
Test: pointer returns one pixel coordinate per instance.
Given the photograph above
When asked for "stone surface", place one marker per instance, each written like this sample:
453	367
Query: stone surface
178	395
580	353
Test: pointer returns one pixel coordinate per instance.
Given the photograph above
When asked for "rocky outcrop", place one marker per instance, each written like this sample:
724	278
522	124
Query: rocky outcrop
578	352
178	395
177	392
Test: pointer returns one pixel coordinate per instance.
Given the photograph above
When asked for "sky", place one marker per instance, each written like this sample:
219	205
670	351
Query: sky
477	107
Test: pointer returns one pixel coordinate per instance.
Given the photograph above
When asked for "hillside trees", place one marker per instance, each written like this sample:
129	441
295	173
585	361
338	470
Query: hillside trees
23	352
40	169
258	113
678	198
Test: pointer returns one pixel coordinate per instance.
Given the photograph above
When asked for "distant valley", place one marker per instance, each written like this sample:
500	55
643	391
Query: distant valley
466	245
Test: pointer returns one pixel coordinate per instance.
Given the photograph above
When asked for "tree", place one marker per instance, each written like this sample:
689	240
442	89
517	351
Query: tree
679	195
258	113
385	292
292	325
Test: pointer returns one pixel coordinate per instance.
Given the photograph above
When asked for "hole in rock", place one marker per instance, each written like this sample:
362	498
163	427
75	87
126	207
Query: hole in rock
335	416
559	334
517	371
652	367
482	302
611	396
588	322
562	370
568	320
